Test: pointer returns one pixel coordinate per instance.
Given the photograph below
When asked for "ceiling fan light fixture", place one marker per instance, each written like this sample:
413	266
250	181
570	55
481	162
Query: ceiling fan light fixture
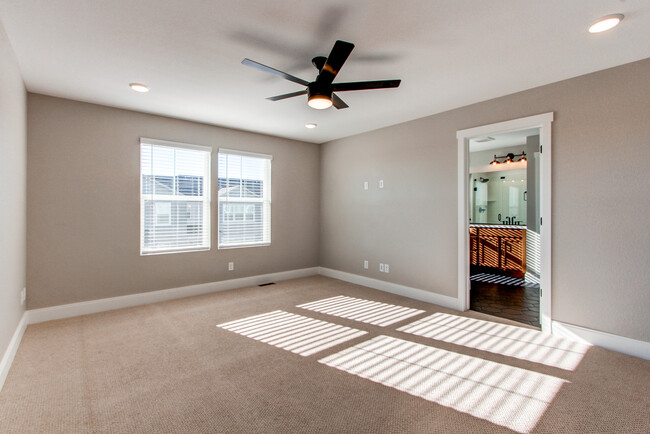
605	23
319	102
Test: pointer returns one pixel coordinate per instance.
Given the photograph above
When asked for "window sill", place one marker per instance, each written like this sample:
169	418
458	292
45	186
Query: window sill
166	252
242	246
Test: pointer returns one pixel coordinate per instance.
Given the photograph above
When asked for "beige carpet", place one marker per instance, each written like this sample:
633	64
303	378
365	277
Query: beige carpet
167	367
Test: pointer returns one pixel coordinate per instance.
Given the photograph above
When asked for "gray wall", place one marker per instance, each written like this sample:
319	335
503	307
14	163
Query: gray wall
83	206
601	197
12	191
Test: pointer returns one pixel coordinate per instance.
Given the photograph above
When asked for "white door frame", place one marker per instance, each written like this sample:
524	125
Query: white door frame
543	122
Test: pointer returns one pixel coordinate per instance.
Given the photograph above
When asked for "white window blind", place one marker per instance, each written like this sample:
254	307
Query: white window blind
174	197
244	199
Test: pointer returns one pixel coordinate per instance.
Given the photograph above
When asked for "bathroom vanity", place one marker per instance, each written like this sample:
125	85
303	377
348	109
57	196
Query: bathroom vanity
498	246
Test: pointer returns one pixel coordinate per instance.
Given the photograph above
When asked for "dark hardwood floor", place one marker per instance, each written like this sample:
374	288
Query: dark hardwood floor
511	298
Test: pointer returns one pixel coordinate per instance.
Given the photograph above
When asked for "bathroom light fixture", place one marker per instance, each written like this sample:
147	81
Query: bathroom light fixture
311	125
509	158
139	87
605	23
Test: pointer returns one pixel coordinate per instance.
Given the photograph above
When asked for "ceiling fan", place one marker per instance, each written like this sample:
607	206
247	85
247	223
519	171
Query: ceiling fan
320	92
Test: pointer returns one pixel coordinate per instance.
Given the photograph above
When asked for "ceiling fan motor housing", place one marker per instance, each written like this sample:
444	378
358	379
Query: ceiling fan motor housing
318	90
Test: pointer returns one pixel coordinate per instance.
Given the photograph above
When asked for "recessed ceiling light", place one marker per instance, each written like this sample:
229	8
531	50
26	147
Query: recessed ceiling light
606	23
310	125
139	87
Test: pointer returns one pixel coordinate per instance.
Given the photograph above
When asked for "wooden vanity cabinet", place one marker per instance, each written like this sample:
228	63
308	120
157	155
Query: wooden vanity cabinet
500	248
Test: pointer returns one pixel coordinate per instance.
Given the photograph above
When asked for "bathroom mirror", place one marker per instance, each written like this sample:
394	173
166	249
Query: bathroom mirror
498	197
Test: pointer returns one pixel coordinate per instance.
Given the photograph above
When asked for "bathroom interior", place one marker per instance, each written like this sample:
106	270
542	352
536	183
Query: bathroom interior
505	244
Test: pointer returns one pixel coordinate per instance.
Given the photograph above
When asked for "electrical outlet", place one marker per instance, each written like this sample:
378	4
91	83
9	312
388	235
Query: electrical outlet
23	296
381	183
365	185
386	268
231	266
381	268
365	264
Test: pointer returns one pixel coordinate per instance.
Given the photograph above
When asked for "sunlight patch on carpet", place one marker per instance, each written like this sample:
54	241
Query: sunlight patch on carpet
296	333
504	395
507	340
365	311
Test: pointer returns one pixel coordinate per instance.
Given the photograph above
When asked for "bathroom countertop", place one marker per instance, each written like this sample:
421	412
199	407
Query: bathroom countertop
496	226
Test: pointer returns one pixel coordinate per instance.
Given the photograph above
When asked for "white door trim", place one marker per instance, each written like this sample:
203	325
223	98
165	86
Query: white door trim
543	122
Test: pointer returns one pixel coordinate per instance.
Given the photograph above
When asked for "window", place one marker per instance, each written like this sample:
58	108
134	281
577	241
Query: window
244	199
174	197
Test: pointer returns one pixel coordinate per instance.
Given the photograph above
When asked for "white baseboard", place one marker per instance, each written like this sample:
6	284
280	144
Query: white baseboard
609	341
393	288
87	307
10	353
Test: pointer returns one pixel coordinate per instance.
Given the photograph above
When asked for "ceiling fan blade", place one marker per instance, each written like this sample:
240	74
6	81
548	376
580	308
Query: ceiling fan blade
365	85
287	95
257	65
335	61
338	102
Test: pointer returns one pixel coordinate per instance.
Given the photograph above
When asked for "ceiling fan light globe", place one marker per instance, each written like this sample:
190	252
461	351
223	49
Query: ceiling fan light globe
319	102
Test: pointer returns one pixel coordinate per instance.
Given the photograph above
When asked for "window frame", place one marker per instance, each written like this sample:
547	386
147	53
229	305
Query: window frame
205	200
264	201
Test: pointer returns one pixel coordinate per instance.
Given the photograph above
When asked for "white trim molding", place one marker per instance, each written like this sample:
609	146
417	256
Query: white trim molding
608	341
106	304
169	144
543	122
245	153
393	288
12	349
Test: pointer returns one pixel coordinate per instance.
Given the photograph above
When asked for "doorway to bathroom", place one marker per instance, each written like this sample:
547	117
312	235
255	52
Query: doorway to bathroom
504	225
504	220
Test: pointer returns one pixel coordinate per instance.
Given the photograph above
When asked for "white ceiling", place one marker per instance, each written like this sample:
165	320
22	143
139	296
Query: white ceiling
447	53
